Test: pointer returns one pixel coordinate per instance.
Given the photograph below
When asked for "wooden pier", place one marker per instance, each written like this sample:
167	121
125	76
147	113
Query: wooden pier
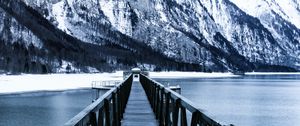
138	111
141	101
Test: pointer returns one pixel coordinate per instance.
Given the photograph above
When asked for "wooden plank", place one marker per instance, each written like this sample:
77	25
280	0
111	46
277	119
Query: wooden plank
138	111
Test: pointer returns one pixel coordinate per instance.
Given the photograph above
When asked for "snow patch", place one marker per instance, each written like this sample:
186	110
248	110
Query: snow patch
118	13
92	70
52	82
287	9
58	11
64	65
160	9
107	8
180	1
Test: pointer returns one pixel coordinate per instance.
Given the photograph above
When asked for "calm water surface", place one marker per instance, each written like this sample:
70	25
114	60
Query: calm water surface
43	109
272	100
261	100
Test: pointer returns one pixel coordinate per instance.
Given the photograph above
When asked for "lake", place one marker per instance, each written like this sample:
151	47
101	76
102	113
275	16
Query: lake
256	100
43	109
272	100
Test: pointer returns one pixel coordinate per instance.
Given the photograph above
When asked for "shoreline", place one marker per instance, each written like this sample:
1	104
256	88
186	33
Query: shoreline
52	82
272	73
31	84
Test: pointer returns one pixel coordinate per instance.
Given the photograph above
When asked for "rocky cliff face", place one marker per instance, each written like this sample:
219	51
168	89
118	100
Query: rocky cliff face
218	35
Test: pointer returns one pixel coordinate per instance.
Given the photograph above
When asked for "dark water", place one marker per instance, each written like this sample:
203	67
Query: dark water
269	100
43	109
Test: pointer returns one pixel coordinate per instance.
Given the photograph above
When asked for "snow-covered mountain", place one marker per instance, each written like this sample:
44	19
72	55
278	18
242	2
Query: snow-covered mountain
281	19
288	9
209	35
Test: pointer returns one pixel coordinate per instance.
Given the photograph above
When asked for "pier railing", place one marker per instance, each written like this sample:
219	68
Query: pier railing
108	83
170	107
107	110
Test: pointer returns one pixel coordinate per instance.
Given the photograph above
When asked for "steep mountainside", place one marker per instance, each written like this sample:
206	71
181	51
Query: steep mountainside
282	19
31	44
215	35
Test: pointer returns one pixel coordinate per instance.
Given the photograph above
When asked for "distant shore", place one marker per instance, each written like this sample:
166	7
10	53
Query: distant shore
272	73
28	83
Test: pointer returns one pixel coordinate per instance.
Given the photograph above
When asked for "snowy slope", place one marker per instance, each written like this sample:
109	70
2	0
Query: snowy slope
216	35
58	12
244	32
118	13
288	9
281	18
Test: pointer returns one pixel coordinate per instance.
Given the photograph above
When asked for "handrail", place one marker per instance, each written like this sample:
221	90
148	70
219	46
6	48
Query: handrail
169	106
108	83
109	108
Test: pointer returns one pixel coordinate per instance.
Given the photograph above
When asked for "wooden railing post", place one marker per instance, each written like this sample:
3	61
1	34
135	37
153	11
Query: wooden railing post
100	117
93	119
115	121
195	118
153	92
107	114
183	119
119	108
123	96
157	108
167	109
155	98
175	112
158	103
161	107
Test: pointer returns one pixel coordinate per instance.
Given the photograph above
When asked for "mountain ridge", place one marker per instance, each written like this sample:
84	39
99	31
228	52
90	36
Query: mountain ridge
198	35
